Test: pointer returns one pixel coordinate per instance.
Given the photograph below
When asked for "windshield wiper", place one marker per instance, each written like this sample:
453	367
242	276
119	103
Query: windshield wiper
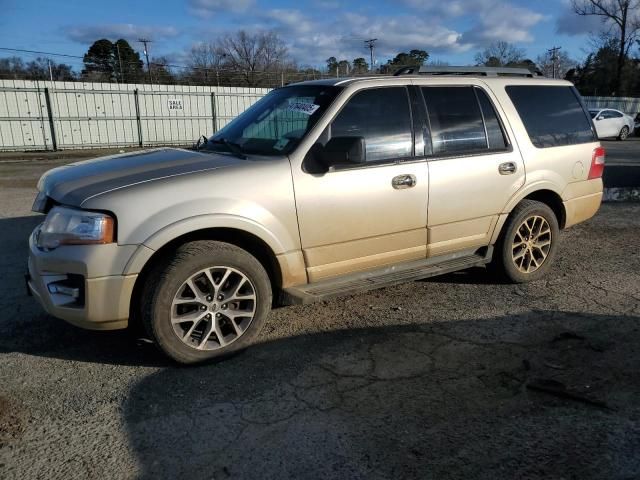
234	148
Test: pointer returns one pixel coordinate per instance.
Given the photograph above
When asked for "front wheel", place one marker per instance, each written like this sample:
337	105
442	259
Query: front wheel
624	133
209	300
528	244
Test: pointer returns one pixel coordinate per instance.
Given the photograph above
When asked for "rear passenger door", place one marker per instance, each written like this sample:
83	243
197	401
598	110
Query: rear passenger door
473	168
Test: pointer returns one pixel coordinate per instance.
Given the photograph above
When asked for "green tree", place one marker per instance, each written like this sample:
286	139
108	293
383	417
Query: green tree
99	61
360	65
621	23
332	65
415	58
597	75
106	61
127	62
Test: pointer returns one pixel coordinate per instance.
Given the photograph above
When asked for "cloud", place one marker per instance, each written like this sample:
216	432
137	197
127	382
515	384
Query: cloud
570	23
115	31
208	8
489	20
440	27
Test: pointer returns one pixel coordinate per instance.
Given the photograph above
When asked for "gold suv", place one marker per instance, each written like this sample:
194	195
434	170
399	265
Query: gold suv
320	189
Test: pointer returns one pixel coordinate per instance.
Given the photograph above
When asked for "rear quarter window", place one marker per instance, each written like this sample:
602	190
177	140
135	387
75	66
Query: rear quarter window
553	116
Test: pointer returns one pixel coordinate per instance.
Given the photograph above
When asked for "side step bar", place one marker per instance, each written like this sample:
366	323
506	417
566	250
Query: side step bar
385	277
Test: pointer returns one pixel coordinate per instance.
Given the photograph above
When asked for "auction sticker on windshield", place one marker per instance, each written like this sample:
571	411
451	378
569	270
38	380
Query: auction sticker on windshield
308	108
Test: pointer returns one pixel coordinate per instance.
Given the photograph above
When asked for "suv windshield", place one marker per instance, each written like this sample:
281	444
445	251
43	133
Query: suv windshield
275	124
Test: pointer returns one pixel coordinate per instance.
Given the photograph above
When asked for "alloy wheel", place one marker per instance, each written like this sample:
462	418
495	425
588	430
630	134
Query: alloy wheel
213	308
531	244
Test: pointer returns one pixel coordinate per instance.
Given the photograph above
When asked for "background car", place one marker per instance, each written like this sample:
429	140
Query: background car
612	123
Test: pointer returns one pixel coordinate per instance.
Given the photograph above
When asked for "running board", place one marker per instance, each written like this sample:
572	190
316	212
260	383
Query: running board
385	277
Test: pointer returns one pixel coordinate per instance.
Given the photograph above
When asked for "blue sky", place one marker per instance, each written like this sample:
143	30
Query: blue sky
450	30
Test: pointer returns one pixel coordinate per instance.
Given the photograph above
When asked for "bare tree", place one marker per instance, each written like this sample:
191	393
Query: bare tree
253	54
622	20
563	63
205	60
500	54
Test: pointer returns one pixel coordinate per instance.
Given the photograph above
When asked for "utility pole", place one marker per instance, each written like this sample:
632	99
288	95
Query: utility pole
371	43
146	54
50	71
554	58
120	62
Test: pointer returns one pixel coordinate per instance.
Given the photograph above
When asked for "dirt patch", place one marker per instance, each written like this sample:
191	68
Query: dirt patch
11	421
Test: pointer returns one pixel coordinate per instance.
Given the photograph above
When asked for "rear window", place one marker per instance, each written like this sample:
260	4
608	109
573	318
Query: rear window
553	116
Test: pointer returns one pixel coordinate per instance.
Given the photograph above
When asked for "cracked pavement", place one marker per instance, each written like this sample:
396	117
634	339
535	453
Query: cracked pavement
424	380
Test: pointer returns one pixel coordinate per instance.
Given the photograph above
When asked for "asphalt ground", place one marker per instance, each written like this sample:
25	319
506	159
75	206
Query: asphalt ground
454	377
622	163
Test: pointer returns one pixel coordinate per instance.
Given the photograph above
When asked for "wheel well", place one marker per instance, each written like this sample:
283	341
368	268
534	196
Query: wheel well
247	241
553	201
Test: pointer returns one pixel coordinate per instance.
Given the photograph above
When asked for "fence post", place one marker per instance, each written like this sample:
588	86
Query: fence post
47	100
214	113
139	124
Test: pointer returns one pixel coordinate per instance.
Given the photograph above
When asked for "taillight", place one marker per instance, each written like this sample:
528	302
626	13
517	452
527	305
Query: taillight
597	163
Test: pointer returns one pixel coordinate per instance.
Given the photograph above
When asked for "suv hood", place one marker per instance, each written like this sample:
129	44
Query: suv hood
75	183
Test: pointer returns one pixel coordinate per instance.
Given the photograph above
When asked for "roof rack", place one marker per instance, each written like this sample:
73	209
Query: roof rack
477	71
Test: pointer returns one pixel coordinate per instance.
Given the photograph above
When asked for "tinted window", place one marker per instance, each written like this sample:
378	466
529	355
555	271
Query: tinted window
455	118
613	114
553	116
382	117
495	135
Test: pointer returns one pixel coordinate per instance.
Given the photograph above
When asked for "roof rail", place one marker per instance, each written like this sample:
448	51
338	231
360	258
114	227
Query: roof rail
478	71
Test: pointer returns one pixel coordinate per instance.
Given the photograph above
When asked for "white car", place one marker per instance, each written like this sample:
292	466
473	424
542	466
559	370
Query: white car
612	123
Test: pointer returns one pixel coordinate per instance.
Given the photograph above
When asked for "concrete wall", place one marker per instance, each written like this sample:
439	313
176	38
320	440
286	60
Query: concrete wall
93	115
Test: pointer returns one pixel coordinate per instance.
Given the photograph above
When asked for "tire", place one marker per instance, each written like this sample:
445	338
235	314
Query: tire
624	133
220	286
510	257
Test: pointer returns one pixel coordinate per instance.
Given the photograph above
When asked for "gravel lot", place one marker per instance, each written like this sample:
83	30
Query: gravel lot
431	379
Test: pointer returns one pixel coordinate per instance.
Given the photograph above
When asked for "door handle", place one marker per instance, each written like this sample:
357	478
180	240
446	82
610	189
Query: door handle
403	181
507	168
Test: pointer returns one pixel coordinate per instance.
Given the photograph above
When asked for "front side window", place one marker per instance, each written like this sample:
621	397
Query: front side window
455	119
382	117
277	123
552	115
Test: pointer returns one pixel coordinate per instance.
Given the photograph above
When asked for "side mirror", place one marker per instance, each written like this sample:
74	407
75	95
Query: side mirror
599	117
344	151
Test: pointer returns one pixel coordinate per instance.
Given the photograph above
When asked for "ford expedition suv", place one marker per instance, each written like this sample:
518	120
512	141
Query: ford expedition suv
320	189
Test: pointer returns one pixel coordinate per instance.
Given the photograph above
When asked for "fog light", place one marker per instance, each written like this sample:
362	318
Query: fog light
56	288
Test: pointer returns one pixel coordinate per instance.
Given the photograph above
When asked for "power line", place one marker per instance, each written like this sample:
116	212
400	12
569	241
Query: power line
371	45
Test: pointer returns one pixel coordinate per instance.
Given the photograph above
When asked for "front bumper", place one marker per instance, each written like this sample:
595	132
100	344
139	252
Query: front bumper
105	291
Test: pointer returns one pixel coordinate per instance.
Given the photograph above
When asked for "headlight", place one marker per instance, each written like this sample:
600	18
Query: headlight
68	226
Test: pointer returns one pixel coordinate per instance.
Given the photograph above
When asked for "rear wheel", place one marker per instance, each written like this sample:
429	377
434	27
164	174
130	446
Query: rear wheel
624	133
209	300
528	244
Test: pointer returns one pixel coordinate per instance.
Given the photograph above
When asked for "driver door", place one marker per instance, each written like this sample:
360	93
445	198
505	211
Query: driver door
367	215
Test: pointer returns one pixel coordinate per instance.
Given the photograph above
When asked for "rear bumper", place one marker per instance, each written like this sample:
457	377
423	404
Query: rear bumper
104	301
582	200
